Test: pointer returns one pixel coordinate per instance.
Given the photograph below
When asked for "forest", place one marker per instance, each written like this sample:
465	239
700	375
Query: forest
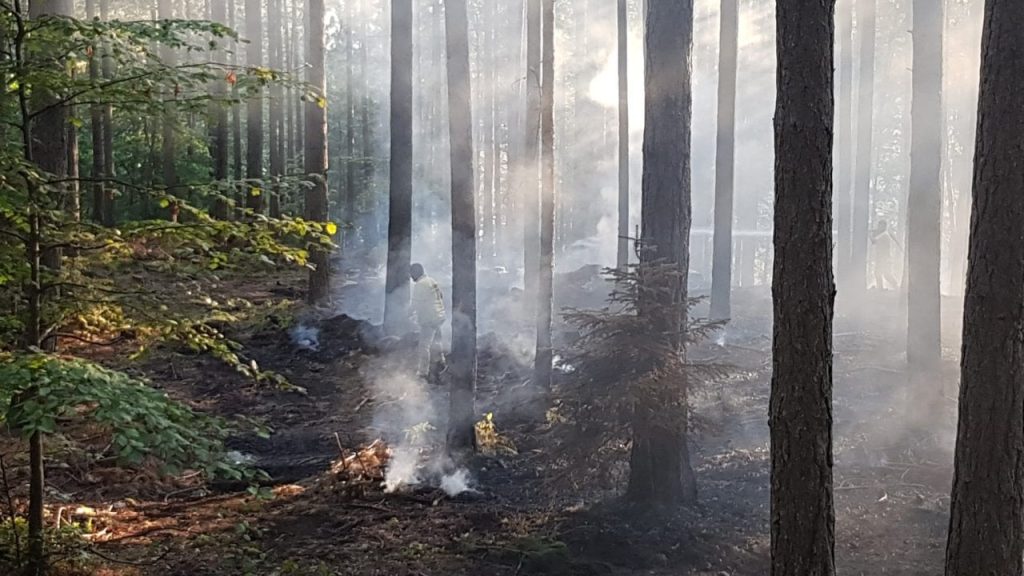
511	287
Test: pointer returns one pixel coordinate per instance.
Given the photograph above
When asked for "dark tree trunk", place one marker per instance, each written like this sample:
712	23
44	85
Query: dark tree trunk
400	209
275	47
254	120
924	221
350	132
660	470
236	110
488	58
622	19
986	529
169	148
803	517
219	123
461	435
316	151
545	277
110	192
96	128
865	125
844	137
531	148
721	273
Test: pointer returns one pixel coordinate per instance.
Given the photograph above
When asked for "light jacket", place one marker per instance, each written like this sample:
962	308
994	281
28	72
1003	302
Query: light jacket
427	302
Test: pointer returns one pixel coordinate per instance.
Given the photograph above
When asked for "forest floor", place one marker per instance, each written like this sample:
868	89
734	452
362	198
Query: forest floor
891	483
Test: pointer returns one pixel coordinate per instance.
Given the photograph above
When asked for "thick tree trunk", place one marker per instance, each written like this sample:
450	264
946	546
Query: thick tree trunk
254	199
924	221
544	355
844	137
316	151
461	435
660	470
986	529
219	142
865	126
531	149
400	208
622	22
803	517
725	159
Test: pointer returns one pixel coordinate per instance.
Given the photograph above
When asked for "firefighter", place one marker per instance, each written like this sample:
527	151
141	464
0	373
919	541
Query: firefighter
886	247
428	312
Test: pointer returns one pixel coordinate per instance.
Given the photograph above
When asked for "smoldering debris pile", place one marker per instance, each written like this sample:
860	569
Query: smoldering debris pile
399	470
341	334
366	465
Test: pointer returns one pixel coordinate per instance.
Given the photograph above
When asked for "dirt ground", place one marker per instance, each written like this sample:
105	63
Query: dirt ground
891	482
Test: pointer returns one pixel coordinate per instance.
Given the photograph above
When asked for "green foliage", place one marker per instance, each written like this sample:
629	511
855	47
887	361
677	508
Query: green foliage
66	543
39	391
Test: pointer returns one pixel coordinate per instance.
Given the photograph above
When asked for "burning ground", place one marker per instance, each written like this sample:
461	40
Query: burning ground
357	484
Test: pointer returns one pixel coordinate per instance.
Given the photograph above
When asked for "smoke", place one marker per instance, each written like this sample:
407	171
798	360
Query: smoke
305	337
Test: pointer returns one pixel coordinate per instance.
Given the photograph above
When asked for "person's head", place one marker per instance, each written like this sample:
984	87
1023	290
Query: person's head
416	272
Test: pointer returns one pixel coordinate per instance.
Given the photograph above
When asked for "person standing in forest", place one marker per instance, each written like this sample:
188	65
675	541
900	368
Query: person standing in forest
428	312
885	245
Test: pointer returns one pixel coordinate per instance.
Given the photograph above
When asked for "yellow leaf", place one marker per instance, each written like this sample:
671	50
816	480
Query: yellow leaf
254	191
331	228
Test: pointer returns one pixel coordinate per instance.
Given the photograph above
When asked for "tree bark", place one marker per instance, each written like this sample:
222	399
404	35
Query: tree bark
396	303
986	529
803	517
350	133
169	145
110	192
924	221
725	159
531	147
865	162
316	151
96	127
660	469
219	142
622	22
544	355
254	198
236	110
461	434
275	47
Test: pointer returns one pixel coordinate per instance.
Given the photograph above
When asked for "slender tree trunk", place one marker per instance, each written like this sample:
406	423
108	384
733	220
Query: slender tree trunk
622	19
986	529
400	209
660	469
924	222
488	58
254	197
531	172
803	516
275	49
236	110
351	194
544	355
316	151
844	136
169	145
721	274
110	192
461	436
219	123
865	127
96	127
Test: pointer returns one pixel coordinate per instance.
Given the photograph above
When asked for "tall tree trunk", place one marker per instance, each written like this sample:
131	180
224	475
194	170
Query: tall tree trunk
844	136
396	302
461	436
169	144
96	127
986	529
219	122
544	355
622	247
351	194
489	60
725	158
254	198
924	221
316	151
275	47
531	173
236	110
110	192
803	516
660	469
865	127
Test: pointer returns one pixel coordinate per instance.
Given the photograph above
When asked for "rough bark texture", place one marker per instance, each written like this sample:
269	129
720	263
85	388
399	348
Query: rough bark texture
461	435
986	529
924	221
844	141
660	470
254	116
802	515
545	276
400	206
725	159
622	21
865	123
316	151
